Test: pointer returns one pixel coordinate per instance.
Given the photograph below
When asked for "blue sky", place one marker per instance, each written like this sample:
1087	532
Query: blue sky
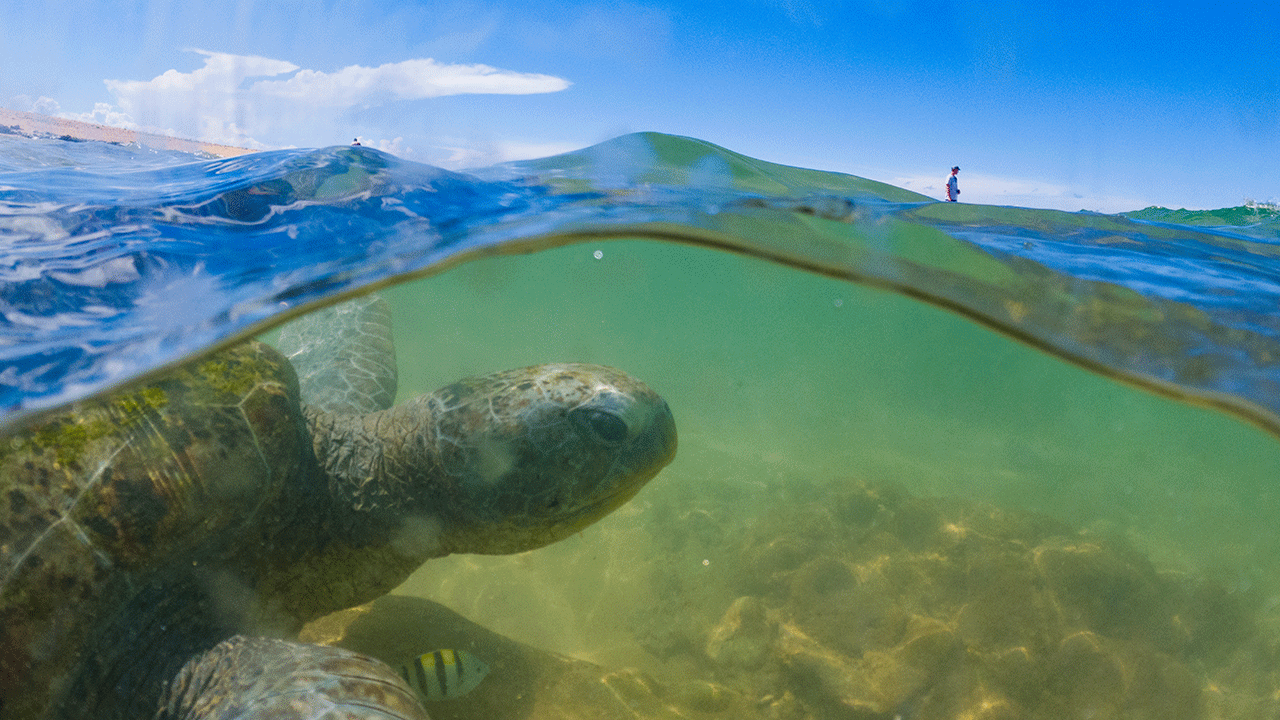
1097	105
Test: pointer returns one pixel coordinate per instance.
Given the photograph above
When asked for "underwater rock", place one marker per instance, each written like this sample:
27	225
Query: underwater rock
779	555
704	696
863	602
523	682
833	683
929	645
646	698
667	631
1086	674
1106	589
870	603
744	636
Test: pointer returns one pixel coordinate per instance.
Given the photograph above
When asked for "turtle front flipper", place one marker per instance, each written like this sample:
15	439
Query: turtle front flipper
344	355
259	678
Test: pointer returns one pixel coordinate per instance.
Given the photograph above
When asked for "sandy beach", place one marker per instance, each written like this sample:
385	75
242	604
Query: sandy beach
32	125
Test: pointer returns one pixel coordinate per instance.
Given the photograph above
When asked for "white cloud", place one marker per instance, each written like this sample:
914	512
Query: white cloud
103	114
465	154
222	73
42	105
408	80
396	146
227	101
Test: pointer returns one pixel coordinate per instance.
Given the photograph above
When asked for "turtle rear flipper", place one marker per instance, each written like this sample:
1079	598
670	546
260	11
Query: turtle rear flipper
259	678
344	355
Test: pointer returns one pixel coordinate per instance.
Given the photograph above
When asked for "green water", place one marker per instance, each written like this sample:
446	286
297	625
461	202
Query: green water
781	382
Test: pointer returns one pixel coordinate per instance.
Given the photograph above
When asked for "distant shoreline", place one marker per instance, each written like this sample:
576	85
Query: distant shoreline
32	125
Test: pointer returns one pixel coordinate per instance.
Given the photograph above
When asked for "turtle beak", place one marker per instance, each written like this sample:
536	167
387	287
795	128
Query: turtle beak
652	449
663	437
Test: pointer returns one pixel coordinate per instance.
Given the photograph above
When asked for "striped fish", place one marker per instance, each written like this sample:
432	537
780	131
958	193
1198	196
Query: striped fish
444	674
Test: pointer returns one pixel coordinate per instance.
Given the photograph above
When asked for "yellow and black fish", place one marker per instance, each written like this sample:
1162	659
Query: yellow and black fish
444	674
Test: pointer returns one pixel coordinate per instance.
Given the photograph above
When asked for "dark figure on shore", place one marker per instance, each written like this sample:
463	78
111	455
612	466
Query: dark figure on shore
953	185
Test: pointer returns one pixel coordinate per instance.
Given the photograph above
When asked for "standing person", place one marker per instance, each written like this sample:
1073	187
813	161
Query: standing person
953	185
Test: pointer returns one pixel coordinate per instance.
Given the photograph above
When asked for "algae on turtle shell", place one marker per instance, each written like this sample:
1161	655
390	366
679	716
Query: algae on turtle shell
147	538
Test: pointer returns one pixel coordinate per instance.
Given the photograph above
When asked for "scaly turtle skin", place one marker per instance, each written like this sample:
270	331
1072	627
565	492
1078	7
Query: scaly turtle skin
160	548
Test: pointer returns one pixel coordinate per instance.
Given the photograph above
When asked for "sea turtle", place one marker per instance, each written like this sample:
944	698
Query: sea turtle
160	548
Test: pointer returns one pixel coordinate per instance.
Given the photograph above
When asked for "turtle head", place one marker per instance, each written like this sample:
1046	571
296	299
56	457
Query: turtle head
534	455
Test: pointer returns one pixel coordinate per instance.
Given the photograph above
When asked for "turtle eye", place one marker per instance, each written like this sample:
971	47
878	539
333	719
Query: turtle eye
607	426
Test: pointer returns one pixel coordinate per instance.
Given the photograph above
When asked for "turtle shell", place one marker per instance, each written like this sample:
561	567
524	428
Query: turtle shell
96	500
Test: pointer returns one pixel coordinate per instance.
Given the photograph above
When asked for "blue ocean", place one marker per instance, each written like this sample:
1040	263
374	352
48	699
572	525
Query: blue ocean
936	459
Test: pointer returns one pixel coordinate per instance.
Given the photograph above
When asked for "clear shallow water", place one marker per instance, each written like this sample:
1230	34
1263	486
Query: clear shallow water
780	378
790	389
790	384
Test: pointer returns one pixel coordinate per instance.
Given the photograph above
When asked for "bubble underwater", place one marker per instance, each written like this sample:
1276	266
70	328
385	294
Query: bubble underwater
931	454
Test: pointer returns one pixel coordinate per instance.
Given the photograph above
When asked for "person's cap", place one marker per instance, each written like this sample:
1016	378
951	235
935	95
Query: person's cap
957	167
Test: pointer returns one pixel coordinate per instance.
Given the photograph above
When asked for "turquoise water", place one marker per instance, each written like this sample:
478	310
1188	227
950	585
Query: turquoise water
780	377
992	373
789	389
